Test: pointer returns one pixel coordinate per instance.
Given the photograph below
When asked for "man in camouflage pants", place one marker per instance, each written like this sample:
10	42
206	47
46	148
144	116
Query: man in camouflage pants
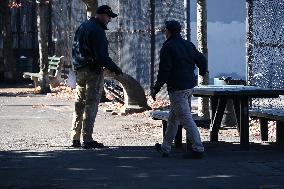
90	55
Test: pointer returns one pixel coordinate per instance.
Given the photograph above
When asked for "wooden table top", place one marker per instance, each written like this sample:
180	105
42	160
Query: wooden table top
237	90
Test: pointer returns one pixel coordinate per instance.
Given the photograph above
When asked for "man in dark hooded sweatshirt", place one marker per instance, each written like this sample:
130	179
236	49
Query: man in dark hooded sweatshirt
178	58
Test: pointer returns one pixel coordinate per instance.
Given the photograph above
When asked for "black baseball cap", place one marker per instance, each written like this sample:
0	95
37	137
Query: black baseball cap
172	26
105	9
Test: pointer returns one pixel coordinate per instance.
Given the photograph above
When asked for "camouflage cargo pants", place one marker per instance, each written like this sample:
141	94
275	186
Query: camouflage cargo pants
89	87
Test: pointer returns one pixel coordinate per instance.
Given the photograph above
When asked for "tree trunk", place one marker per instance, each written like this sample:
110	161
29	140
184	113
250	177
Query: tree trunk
10	64
203	103
92	6
43	45
187	19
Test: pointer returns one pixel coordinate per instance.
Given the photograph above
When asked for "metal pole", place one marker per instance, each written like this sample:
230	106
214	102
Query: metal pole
153	43
187	19
249	43
49	29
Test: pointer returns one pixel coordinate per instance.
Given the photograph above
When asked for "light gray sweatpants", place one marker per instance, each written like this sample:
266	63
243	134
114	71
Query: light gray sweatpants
180	114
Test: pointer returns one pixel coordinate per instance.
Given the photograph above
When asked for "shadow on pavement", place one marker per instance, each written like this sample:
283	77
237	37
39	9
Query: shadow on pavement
224	166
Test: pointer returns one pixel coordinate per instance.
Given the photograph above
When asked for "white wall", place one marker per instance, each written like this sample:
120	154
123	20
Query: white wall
226	35
226	47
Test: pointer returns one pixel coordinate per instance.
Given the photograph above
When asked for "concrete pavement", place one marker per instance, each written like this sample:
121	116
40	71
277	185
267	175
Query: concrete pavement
35	153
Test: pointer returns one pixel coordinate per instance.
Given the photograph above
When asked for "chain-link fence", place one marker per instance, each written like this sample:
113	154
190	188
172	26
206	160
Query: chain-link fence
66	17
130	34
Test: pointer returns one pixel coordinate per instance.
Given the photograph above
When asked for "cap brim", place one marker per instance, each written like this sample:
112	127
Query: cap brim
113	15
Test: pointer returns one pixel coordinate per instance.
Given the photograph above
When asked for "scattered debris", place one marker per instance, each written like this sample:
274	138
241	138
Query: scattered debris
158	104
63	91
19	91
255	128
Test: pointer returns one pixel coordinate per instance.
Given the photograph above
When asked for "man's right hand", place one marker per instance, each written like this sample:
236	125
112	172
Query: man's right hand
118	72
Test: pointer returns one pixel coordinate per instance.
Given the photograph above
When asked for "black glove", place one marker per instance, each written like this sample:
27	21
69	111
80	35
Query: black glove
118	72
153	95
203	73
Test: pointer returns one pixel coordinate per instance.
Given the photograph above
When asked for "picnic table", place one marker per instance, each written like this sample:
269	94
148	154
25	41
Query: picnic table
240	95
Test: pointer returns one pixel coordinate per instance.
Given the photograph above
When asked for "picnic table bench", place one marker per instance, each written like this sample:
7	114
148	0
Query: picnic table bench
265	115
240	95
164	115
54	67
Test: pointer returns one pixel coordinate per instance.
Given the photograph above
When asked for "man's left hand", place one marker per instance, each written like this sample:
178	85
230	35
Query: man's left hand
153	95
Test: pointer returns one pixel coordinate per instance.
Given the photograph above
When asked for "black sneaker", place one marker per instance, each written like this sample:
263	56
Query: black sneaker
158	147
76	144
193	155
93	144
